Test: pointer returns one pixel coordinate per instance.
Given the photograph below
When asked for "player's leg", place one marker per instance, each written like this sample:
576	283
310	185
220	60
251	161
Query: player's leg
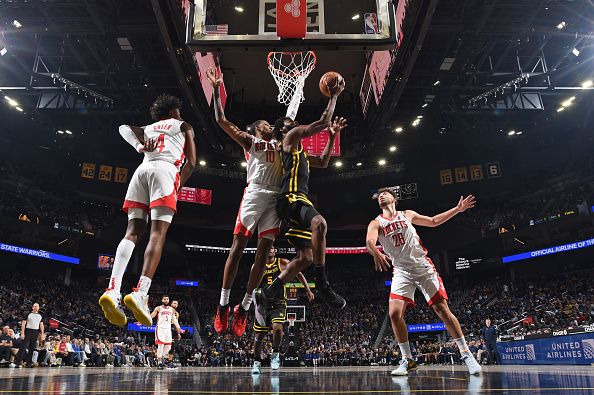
137	301
167	351
277	337
402	295
258	340
160	353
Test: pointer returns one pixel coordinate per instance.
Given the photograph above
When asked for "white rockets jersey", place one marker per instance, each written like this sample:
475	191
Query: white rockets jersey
264	165
401	243
170	141
165	317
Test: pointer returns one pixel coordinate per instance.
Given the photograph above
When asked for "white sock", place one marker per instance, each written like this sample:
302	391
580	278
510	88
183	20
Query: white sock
405	350
247	302
143	285
123	254
224	297
462	346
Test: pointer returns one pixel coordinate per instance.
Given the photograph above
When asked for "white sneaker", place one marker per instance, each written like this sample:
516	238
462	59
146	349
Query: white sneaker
406	365
473	366
12	365
275	361
110	303
138	304
257	367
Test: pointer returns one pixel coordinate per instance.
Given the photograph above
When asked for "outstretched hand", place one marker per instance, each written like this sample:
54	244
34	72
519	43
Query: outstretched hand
339	88
214	77
337	125
465	203
382	262
149	146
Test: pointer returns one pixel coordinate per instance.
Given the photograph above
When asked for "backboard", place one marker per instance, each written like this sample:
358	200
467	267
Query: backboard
217	25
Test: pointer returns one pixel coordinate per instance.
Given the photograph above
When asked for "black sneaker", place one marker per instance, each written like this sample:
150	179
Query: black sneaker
331	298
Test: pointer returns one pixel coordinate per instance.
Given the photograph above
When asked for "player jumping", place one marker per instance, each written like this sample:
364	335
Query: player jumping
307	231
163	335
276	314
153	189
256	211
413	269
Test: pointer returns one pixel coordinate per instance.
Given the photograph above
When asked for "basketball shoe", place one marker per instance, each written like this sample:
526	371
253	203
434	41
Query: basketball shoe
221	323
330	296
257	367
275	361
473	366
406	365
110	302
239	320
138	304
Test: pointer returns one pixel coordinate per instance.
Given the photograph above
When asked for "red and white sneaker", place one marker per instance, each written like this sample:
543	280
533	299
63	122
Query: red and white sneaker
221	323
239	321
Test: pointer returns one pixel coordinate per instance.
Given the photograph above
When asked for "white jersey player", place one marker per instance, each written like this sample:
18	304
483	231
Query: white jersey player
163	335
413	269
257	211
152	191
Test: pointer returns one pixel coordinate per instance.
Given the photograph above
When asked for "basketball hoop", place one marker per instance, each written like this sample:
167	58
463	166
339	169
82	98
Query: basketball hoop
289	70
291	321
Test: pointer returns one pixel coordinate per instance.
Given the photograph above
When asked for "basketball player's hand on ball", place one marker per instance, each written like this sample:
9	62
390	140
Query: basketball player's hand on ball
340	88
149	146
213	77
337	125
465	203
382	262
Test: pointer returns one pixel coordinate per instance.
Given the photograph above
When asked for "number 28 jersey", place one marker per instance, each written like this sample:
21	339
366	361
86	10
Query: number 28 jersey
264	166
170	141
401	242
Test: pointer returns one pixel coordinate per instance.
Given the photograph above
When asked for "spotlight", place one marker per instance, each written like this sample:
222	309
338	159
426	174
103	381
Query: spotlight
202	163
11	102
3	51
19	109
359	164
338	163
419	117
436	83
575	51
355	17
511	132
16	24
561	25
68	132
424	105
416	122
568	102
587	84
560	109
60	132
393	148
238	9
398	129
243	164
519	133
381	162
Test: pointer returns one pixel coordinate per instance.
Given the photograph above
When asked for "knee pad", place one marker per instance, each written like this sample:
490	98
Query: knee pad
162	213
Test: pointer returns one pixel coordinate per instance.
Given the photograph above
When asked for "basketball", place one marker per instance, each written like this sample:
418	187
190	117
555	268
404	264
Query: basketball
330	82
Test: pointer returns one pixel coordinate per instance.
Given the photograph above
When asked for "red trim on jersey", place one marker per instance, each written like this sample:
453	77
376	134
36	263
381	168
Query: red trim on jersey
409	302
274	231
240	228
390	219
128	204
180	160
169	200
246	155
157	341
441	294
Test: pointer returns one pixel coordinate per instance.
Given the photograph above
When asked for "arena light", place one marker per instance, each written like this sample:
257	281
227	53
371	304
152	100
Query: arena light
416	122
243	164
19	109
568	102
511	132
561	25
60	132
398	129
16	24
238	9
68	132
424	105
575	51
436	83
587	84
355	17
338	163
3	51
381	162
419	117
519	133
202	163
393	148
359	164
560	109
11	101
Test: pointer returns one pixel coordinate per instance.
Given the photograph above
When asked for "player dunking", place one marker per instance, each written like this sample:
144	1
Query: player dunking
163	335
256	211
413	269
276	314
307	231
153	189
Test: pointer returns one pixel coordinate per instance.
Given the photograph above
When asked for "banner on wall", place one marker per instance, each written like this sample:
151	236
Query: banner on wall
575	349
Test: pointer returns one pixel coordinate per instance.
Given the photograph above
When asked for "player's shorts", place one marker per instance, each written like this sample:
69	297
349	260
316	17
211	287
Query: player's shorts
257	210
277	314
297	211
153	184
163	336
428	281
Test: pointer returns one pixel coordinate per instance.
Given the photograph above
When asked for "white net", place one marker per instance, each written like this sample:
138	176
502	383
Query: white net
289	70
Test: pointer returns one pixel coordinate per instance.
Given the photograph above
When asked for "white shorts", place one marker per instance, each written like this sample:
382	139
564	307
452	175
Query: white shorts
258	210
404	284
163	336
153	184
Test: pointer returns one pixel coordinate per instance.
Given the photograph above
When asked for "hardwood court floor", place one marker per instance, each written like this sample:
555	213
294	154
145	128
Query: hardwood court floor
542	380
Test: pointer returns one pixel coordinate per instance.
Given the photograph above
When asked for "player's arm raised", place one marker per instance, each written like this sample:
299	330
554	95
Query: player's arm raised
422	220
242	138
382	262
189	152
322	161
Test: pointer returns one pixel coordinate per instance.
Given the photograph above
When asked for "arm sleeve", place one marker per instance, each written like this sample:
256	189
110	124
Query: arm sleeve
128	135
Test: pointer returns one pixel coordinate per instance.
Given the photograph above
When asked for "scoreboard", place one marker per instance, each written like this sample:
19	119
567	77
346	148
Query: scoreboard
315	144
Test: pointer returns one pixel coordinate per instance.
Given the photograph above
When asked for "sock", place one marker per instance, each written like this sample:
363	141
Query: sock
123	255
462	346
320	274
275	350
247	301
143	285
405	350
274	289
224	301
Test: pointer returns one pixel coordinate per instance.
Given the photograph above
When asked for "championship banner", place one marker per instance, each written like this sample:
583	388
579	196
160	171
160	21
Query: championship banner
315	144
556	350
195	195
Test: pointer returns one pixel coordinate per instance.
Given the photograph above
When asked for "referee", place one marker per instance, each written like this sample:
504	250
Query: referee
31	329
